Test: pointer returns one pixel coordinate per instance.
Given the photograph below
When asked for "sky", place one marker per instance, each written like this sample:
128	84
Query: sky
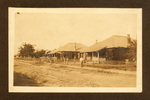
51	30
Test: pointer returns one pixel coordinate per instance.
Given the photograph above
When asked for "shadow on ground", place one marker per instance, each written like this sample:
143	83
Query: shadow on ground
23	80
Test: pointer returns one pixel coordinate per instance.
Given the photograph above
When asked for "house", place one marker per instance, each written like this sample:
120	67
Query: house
113	48
70	51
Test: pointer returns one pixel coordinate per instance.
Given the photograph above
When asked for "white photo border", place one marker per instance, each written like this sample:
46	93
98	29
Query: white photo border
30	89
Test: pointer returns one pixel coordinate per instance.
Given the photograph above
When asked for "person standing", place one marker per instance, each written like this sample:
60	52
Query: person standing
74	60
81	61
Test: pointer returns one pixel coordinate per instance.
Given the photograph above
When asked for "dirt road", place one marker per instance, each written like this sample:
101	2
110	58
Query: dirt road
29	73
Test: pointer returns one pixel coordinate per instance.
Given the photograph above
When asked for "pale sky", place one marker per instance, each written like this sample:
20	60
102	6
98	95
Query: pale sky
52	30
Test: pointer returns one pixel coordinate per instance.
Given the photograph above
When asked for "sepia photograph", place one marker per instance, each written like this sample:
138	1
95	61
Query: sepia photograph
75	50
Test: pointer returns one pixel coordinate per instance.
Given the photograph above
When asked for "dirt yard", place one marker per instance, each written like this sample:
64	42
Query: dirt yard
35	73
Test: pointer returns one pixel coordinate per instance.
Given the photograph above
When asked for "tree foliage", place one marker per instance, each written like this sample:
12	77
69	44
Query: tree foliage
132	52
26	50
39	53
123	53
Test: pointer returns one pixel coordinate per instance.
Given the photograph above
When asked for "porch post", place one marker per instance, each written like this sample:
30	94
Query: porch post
98	56
92	59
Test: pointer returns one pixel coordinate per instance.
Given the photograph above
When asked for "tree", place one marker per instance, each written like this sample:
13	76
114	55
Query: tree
26	50
132	52
39	53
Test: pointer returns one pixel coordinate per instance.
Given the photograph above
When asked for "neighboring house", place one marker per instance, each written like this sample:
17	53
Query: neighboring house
70	51
113	48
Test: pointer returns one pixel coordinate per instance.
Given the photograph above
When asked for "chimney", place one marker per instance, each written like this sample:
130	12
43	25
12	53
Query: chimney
96	41
128	39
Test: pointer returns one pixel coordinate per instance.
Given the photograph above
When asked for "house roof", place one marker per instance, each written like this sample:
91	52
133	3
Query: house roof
70	47
96	47
111	42
116	41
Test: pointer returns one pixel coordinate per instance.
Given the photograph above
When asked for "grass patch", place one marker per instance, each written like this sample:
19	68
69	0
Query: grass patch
23	80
